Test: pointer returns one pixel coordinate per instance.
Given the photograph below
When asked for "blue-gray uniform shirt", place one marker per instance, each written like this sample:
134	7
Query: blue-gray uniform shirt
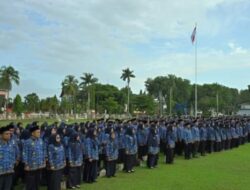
131	144
195	133
34	153
188	137
7	157
203	133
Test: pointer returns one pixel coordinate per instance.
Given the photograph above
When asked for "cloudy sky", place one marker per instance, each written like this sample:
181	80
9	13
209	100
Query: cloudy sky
49	39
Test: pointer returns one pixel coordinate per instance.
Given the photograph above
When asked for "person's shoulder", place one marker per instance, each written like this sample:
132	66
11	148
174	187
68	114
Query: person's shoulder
40	139
27	141
87	140
51	146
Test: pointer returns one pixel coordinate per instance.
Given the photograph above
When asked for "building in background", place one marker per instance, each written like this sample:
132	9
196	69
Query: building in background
3	97
244	109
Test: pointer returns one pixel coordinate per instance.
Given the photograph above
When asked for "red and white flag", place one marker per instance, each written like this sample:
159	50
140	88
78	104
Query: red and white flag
193	36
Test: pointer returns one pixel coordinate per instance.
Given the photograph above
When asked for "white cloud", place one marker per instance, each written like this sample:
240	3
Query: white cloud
96	35
237	49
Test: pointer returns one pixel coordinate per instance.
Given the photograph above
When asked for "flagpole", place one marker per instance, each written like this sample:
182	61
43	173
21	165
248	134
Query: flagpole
196	93
217	103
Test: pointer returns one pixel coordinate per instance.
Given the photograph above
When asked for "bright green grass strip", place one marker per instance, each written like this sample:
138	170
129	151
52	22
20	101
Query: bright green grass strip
229	170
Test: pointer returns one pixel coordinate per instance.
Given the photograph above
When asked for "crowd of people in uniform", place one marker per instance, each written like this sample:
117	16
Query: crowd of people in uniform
47	154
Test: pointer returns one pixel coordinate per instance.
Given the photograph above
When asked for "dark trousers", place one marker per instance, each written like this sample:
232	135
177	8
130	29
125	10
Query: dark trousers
244	139
44	177
169	155
74	176
90	171
142	151
121	156
101	162
188	150
235	142
203	148
6	181
152	160
223	144
129	162
195	148
110	168
32	179
162	146
210	146
54	179
228	144
19	173
179	148
217	146
240	141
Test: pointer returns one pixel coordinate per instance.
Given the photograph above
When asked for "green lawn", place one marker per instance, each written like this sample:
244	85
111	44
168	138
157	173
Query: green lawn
219	171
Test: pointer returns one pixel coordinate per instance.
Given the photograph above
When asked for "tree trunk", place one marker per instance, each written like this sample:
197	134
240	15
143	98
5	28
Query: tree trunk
88	106
6	104
128	100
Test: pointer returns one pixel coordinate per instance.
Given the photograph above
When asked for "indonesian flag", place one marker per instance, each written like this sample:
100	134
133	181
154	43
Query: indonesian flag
193	35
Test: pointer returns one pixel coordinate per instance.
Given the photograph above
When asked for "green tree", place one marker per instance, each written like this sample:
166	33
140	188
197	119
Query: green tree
228	98
144	103
111	105
103	93
50	104
127	74
70	90
88	80
18	105
31	102
8	75
244	96
169	90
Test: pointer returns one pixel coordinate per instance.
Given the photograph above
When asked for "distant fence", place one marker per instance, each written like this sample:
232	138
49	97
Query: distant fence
61	117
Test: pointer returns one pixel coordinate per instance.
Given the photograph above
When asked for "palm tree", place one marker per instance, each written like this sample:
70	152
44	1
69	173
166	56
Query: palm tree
126	76
31	102
70	88
88	79
8	75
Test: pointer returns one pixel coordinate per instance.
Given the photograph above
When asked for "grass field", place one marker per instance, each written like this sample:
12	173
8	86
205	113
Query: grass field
228	170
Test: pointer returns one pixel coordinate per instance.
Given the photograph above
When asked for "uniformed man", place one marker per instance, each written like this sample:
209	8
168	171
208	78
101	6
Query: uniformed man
196	137
33	158
188	140
153	147
111	155
7	159
170	144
